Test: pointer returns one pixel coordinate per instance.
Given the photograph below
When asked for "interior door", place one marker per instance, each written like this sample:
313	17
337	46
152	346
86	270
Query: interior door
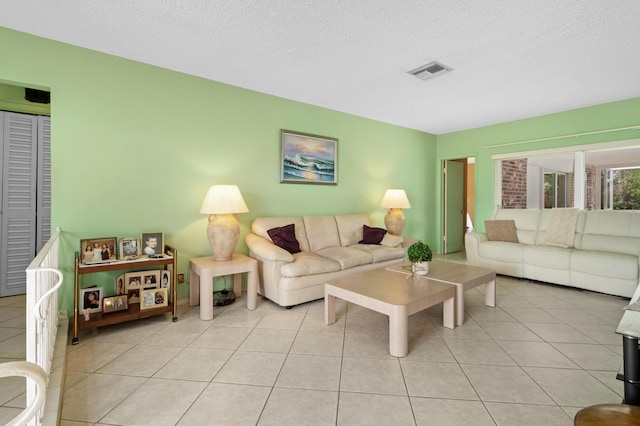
454	218
18	185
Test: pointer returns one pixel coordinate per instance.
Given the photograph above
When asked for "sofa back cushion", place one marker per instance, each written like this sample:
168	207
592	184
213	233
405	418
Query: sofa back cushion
322	232
261	226
526	222
350	228
612	231
558	227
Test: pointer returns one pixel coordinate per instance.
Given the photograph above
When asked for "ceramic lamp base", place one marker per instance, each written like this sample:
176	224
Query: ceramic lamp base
223	232
394	221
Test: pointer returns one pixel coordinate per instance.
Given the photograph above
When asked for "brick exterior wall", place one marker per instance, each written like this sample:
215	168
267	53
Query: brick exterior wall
514	184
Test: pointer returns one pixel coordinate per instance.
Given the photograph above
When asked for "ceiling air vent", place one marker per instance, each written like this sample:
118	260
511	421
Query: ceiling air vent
430	70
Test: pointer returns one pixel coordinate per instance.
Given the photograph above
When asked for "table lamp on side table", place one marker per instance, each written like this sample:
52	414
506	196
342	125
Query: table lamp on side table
223	204
395	200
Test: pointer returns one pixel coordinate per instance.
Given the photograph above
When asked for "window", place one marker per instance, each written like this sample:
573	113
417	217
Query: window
556	189
605	177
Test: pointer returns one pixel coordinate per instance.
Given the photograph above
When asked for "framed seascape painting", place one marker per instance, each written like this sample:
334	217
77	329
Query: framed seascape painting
308	158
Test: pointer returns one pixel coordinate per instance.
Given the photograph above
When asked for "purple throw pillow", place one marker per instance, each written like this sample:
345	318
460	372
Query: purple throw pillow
285	237
372	235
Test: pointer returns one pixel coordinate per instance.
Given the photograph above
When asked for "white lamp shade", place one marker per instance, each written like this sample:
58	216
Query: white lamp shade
395	199
223	199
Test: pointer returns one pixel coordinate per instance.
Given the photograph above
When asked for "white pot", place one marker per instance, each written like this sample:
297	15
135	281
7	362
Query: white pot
420	268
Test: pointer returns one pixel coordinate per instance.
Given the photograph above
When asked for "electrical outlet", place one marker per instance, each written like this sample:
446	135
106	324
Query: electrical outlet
180	278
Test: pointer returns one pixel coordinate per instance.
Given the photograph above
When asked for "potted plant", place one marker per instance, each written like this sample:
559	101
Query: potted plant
420	255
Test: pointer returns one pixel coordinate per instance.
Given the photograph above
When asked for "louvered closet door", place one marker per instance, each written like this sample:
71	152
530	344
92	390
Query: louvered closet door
18	230
43	213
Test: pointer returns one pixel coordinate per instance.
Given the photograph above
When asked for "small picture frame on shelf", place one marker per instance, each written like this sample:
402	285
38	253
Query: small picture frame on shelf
152	244
133	296
151	279
90	300
121	288
98	250
129	248
134	280
153	298
165	280
114	304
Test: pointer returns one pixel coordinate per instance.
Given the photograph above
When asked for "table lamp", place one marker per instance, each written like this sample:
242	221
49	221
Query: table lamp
395	200
223	203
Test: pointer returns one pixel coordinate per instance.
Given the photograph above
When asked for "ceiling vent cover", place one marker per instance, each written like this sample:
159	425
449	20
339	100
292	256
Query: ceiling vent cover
430	70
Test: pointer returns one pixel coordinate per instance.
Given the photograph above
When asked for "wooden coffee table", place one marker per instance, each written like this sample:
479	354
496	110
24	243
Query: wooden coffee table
394	295
464	277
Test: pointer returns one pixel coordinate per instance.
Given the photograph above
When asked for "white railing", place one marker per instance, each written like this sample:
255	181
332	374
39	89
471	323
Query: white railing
43	281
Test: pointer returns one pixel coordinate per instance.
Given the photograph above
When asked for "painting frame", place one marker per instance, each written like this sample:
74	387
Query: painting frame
86	303
146	249
308	158
129	248
153	298
115	304
92	250
165	280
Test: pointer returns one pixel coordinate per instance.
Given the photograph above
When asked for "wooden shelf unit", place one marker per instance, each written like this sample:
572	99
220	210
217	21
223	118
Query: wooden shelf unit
99	319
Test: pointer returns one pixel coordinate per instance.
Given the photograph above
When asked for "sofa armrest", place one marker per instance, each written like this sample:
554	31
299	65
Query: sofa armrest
472	241
265	250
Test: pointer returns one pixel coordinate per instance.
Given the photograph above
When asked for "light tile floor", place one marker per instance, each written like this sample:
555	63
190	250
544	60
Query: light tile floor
542	354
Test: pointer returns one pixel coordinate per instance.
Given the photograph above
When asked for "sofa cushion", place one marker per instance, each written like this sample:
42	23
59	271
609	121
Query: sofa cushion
501	230
381	253
612	231
604	264
546	256
350	228
347	257
391	240
501	251
322	232
561	228
372	235
285	237
261	225
306	263
526	222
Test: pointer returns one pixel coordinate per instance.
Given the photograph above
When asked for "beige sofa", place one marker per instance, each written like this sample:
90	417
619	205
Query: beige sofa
329	249
602	254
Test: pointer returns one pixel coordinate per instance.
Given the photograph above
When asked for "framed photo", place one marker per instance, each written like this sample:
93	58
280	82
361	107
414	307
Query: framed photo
121	288
98	250
151	279
153	298
134	280
308	158
90	300
115	304
133	295
165	280
129	248
152	244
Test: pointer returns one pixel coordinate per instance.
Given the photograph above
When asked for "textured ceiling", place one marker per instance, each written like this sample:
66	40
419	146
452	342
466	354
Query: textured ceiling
511	59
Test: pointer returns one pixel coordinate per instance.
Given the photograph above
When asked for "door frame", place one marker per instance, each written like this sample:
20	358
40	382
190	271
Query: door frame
467	182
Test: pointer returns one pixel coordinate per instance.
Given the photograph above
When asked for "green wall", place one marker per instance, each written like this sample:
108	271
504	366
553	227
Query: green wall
473	143
135	148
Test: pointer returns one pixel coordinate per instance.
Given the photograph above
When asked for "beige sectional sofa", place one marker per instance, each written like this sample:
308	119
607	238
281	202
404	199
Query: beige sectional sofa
329	248
602	253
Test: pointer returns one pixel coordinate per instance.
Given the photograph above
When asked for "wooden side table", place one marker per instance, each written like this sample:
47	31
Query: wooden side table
201	273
